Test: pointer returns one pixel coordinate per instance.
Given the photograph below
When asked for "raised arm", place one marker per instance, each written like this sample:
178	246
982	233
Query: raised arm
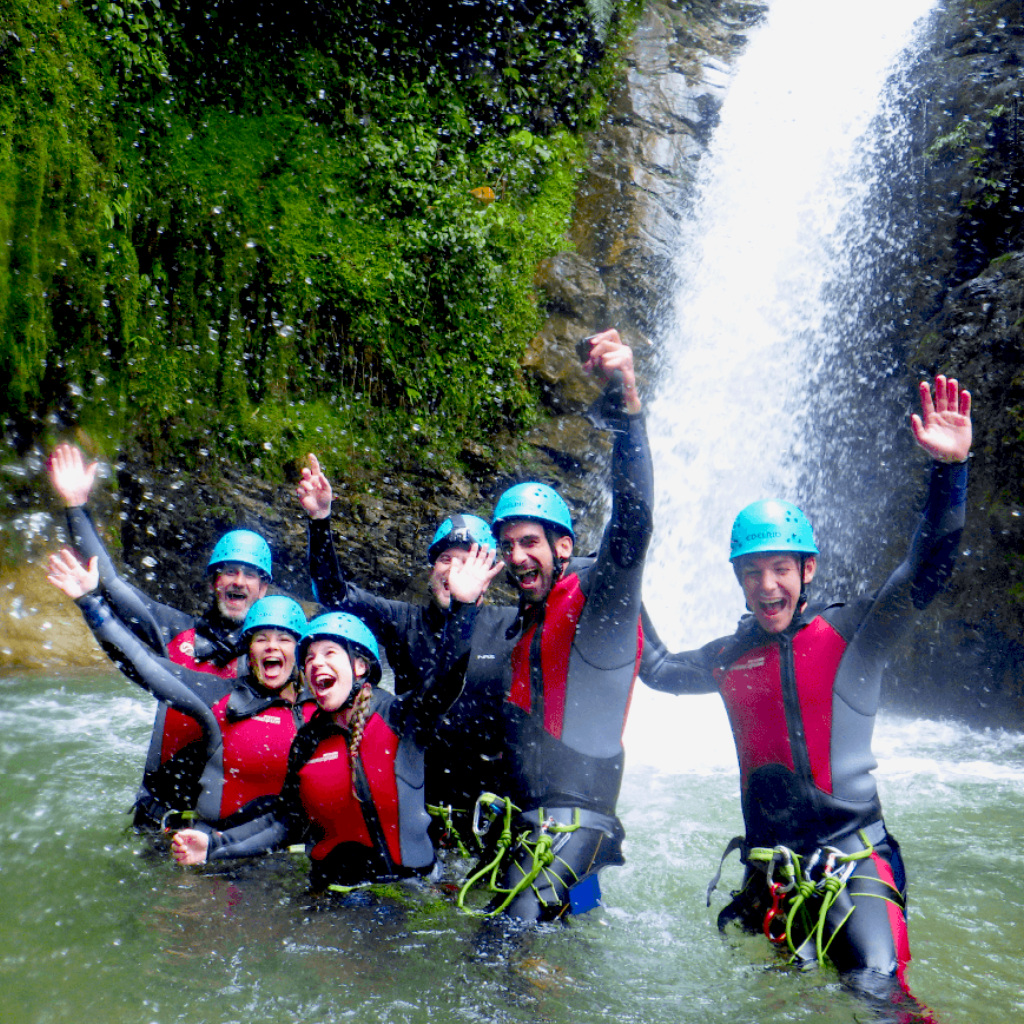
467	581
67	573
943	429
153	623
189	692
72	479
614	584
314	490
315	494
470	577
610	357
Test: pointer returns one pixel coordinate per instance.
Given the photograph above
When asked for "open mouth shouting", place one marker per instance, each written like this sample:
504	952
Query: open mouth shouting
328	672
236	589
772	585
272	658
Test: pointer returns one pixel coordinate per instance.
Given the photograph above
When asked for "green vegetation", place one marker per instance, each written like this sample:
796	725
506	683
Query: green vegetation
977	142
226	233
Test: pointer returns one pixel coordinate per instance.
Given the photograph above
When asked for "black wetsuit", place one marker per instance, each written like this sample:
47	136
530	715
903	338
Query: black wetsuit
802	707
373	825
570	680
207	644
232	758
464	756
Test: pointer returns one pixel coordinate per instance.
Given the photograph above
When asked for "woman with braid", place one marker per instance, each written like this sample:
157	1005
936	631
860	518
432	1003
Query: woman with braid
354	789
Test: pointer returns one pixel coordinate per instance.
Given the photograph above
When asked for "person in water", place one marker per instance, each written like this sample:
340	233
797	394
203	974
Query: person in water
571	673
354	789
464	755
801	684
234	749
239	572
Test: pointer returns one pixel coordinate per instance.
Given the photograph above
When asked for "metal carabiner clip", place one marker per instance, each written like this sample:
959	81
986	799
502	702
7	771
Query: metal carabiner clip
775	913
492	805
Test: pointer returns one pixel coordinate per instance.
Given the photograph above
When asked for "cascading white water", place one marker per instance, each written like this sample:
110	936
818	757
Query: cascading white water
766	259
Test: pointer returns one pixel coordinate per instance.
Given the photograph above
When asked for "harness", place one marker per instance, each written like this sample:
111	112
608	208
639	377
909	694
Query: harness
803	889
542	851
451	836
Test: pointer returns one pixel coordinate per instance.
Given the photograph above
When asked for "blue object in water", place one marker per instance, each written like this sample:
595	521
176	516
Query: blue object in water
585	895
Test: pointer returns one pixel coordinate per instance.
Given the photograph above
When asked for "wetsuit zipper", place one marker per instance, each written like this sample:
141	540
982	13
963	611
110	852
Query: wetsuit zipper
795	722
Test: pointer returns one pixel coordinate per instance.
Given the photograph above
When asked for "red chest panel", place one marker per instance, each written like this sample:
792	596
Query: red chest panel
753	693
325	788
180	730
255	753
561	616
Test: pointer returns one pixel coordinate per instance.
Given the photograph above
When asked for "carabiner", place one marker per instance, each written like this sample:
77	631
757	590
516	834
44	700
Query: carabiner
775	913
493	805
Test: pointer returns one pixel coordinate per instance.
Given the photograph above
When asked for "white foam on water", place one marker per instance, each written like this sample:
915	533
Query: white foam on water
781	190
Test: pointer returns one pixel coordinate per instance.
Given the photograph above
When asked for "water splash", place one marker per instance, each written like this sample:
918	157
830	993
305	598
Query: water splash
765	255
754	392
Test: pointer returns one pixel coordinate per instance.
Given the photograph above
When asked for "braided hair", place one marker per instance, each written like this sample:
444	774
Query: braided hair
356	725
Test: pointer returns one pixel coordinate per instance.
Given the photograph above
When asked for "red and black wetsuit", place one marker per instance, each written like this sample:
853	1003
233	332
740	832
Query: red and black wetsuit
234	752
802	707
465	753
372	826
569	687
205	644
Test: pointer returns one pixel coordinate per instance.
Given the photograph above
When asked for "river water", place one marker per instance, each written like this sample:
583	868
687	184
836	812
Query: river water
97	923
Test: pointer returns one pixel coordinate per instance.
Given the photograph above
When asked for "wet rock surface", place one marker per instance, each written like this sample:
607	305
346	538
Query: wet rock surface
161	524
956	305
957	308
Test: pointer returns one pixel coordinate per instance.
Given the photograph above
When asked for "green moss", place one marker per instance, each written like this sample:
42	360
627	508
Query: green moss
220	232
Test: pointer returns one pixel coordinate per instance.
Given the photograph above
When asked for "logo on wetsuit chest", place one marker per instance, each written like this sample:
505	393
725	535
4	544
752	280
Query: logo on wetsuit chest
272	719
755	662
187	649
331	755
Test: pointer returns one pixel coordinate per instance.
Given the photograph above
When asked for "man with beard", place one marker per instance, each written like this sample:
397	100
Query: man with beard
239	571
571	673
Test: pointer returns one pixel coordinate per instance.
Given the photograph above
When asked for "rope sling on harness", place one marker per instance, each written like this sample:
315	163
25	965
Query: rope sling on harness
543	852
451	836
803	889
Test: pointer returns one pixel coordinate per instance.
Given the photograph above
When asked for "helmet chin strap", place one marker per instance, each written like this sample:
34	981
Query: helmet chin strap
802	603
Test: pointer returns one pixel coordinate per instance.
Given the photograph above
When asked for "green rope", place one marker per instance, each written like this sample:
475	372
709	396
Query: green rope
789	880
185	816
445	812
542	856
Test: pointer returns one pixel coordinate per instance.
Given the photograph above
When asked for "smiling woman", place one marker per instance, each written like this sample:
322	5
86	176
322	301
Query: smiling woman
354	794
233	735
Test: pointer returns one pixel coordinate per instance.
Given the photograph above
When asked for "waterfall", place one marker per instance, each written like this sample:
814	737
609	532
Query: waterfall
761	358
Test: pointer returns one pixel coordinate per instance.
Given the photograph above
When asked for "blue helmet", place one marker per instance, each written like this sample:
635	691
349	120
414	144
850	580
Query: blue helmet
533	501
348	630
245	547
771	525
276	612
459	529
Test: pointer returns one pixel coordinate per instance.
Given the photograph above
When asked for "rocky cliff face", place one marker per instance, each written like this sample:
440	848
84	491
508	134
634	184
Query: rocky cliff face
956	301
954	304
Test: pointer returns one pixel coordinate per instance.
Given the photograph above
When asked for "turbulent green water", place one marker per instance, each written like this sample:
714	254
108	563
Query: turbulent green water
98	925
